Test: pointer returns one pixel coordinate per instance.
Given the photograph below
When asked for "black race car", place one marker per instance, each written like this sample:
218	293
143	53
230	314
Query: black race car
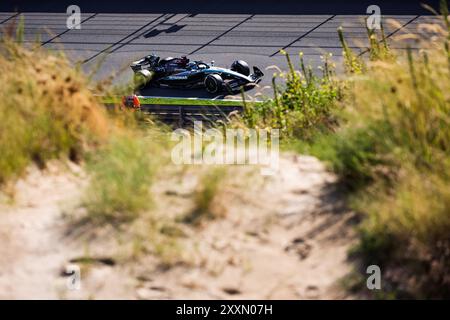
183	73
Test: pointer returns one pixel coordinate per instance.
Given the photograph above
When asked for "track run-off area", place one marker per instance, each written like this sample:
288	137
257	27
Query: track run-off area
112	35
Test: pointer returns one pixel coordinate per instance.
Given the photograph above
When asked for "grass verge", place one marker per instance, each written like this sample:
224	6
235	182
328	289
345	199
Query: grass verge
182	101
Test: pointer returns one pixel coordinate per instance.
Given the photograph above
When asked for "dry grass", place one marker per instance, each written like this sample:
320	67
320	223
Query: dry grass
46	109
404	108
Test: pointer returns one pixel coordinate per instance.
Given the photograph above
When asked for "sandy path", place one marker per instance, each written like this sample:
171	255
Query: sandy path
286	241
34	251
289	241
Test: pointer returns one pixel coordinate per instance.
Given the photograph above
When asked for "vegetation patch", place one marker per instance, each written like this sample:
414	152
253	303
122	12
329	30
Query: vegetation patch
121	175
207	205
391	148
303	107
46	110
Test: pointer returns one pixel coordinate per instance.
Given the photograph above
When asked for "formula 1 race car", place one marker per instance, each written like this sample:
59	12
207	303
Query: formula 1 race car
183	73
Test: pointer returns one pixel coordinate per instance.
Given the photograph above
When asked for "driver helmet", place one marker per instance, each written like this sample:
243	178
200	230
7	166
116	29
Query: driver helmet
153	59
184	60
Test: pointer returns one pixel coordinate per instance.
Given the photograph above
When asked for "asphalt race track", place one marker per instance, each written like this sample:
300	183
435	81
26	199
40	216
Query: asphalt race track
116	33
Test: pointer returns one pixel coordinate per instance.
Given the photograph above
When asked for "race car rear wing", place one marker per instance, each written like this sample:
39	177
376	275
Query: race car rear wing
257	74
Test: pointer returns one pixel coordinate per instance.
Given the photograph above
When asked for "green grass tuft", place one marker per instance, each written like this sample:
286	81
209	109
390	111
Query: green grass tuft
206	197
122	173
46	110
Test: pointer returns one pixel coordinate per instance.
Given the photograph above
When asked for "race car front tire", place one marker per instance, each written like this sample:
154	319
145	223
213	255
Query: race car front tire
142	78
213	83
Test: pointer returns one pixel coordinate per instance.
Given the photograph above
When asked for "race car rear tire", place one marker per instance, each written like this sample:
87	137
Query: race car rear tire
142	78
213	83
240	66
